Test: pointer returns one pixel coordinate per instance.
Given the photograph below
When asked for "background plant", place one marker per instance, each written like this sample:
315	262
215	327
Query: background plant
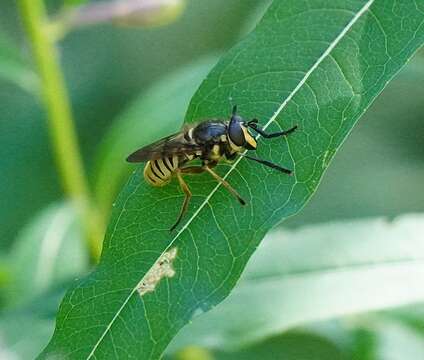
383	154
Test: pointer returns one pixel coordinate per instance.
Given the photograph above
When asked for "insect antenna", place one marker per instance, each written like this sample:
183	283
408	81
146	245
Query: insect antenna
269	164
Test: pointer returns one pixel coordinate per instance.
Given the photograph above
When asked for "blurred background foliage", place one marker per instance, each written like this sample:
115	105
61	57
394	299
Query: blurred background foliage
130	85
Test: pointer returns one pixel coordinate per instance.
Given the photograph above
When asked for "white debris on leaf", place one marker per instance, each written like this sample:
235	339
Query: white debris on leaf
161	269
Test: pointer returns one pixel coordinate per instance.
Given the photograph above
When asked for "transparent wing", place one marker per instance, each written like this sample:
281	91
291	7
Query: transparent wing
174	144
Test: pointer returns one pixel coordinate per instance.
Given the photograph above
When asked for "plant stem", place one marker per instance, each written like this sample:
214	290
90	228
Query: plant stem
60	122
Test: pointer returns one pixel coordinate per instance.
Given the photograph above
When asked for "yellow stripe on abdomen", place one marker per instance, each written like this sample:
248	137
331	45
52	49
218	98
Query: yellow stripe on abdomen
159	172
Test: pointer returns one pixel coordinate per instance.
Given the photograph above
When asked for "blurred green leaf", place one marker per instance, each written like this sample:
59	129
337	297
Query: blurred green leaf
154	114
4	271
363	346
75	2
192	353
350	339
395	341
14	68
297	345
22	336
318	65
290	346
4	279
25	330
316	273
411	316
48	251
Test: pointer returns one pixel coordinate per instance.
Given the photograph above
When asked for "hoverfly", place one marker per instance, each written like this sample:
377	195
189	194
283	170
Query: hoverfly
209	141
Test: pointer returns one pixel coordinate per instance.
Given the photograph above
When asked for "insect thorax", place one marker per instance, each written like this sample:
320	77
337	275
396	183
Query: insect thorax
212	145
213	136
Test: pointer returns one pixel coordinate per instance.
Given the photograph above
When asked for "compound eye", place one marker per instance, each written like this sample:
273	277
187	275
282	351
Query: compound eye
236	133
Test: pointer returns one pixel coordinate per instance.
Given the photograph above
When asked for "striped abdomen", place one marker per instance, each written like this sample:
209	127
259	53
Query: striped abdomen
159	172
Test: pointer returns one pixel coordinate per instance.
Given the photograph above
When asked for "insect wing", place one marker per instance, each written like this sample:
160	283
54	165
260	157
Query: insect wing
172	145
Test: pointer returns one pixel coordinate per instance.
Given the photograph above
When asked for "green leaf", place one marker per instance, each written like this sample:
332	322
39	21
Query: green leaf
318	65
49	250
155	113
385	148
291	346
345	268
14	68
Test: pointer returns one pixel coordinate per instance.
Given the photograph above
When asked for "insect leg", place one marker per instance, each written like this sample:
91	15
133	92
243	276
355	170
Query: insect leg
225	184
197	169
187	192
270	164
261	131
192	170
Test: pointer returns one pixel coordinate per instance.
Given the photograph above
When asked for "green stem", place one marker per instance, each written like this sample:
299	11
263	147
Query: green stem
60	122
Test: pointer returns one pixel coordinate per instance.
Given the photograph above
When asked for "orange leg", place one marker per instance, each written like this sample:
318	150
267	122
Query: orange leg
187	192
207	168
225	184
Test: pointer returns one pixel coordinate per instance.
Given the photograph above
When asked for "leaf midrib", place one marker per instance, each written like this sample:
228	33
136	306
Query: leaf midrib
324	55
